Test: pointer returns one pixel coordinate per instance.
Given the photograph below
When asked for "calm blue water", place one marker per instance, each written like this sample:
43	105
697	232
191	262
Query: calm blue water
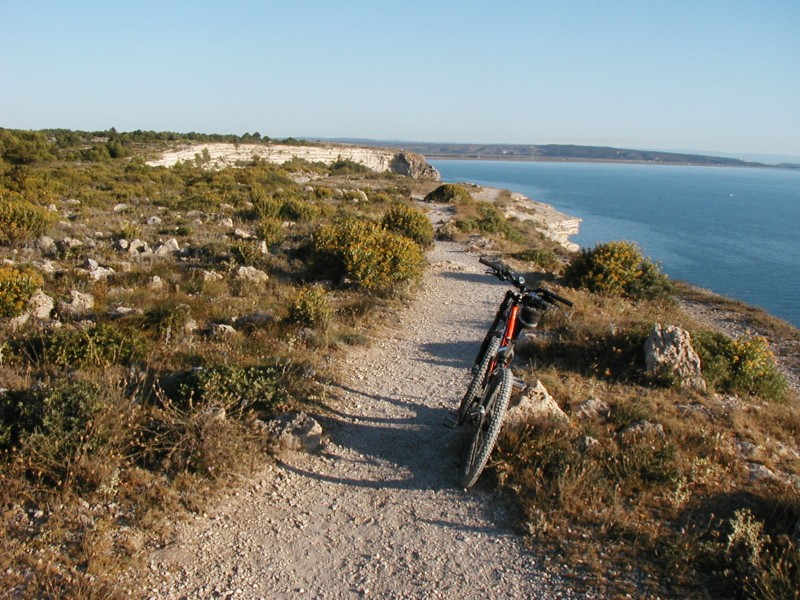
731	230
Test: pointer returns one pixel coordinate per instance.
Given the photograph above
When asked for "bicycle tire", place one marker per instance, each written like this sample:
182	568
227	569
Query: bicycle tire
478	383
495	399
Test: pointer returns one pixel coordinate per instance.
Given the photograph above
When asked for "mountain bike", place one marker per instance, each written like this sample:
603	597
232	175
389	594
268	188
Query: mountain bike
489	391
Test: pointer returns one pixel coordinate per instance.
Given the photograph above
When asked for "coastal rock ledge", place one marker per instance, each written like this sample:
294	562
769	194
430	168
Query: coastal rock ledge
381	160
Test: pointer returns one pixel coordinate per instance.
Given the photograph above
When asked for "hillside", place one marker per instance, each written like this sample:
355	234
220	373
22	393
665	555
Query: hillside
555	152
163	330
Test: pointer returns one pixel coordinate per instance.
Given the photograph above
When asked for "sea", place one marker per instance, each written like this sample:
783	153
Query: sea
732	230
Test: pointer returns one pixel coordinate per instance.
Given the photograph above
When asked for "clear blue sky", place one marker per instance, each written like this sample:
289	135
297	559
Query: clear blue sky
682	74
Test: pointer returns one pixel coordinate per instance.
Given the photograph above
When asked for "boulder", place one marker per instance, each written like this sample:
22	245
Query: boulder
669	352
590	409
758	472
297	432
40	306
96	272
241	234
251	274
79	305
643	428
211	276
220	330
46	245
68	244
536	403
168	248
139	247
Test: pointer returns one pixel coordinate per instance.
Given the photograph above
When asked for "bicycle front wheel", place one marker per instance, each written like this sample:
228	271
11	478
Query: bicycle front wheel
487	427
478	383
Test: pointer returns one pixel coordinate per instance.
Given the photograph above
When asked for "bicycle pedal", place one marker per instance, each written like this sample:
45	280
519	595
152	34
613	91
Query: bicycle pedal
450	421
519	384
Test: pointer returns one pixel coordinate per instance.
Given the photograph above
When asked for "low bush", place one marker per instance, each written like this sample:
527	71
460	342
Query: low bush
311	308
50	425
264	207
233	388
297	209
247	253
542	257
270	229
762	567
618	269
745	364
21	220
167	319
486	218
410	222
100	346
373	258
16	288
345	166
449	193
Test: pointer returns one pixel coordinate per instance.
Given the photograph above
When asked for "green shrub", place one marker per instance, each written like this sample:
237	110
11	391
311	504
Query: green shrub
311	308
344	166
618	269
373	258
488	219
49	421
21	220
16	288
232	388
745	364
297	209
410	222
449	193
100	346
265	206
542	257
762	566
270	230
167	319
247	253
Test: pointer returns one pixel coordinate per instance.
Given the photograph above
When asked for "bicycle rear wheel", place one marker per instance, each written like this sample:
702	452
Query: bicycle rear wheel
487	427
478	383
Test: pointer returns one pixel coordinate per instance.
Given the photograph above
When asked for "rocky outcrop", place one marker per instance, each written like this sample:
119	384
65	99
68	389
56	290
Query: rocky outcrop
297	432
380	160
551	223
536	403
669	352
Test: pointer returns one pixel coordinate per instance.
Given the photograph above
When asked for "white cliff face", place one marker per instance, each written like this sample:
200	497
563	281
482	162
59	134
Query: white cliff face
379	160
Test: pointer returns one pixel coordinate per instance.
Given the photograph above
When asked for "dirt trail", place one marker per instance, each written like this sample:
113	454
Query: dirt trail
377	513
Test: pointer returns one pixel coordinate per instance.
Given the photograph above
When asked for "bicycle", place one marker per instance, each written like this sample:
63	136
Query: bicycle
485	402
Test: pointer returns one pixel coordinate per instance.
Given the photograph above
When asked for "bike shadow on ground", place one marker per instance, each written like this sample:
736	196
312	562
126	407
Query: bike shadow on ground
413	441
459	355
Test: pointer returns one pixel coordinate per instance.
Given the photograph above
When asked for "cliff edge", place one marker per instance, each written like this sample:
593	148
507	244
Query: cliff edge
380	160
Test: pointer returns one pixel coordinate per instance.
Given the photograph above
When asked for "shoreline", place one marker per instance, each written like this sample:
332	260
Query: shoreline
609	161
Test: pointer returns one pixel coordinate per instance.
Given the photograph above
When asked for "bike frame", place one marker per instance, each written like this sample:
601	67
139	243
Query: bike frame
507	317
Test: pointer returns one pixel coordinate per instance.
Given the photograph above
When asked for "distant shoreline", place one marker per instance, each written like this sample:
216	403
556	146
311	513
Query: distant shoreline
561	153
605	161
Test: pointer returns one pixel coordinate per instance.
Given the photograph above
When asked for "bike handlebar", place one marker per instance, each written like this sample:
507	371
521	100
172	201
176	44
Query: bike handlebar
503	273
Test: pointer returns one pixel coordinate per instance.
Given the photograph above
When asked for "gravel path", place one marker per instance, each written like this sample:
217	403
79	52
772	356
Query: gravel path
377	513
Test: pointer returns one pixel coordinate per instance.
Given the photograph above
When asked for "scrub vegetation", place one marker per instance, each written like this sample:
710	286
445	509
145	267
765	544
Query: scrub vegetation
187	306
152	318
